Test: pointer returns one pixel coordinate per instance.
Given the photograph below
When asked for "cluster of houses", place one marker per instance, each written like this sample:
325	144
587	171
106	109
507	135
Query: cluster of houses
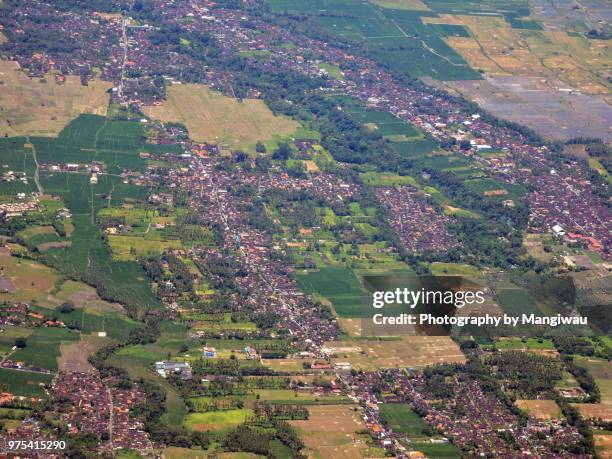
167	367
558	195
99	406
420	225
264	276
476	421
19	207
30	429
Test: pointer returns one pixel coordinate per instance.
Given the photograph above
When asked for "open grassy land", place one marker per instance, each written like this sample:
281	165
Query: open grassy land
541	409
215	420
10	333
337	284
409	351
31	281
115	324
329	431
603	444
215	118
84	296
126	248
601	370
288	396
24	383
74	355
32	107
524	344
402	419
386	179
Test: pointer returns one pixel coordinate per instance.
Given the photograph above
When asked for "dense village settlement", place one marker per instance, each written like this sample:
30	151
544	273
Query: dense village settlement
168	292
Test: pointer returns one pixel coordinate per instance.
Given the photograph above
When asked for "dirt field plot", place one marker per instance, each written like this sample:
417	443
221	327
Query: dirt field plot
540	104
410	351
595	410
541	409
29	280
412	5
31	107
601	370
73	356
329	431
212	117
501	50
82	296
603	445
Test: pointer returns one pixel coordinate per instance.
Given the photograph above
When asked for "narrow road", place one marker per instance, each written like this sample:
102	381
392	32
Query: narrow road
110	418
36	176
125	55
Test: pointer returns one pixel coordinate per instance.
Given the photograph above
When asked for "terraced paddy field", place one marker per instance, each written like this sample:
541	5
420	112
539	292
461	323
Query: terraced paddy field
214	118
541	77
116	143
500	49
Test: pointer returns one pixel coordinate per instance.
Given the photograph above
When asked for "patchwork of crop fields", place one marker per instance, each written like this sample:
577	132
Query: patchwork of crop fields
499	48
397	38
43	347
82	253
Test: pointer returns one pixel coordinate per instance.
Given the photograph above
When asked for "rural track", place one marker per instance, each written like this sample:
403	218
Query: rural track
36	176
